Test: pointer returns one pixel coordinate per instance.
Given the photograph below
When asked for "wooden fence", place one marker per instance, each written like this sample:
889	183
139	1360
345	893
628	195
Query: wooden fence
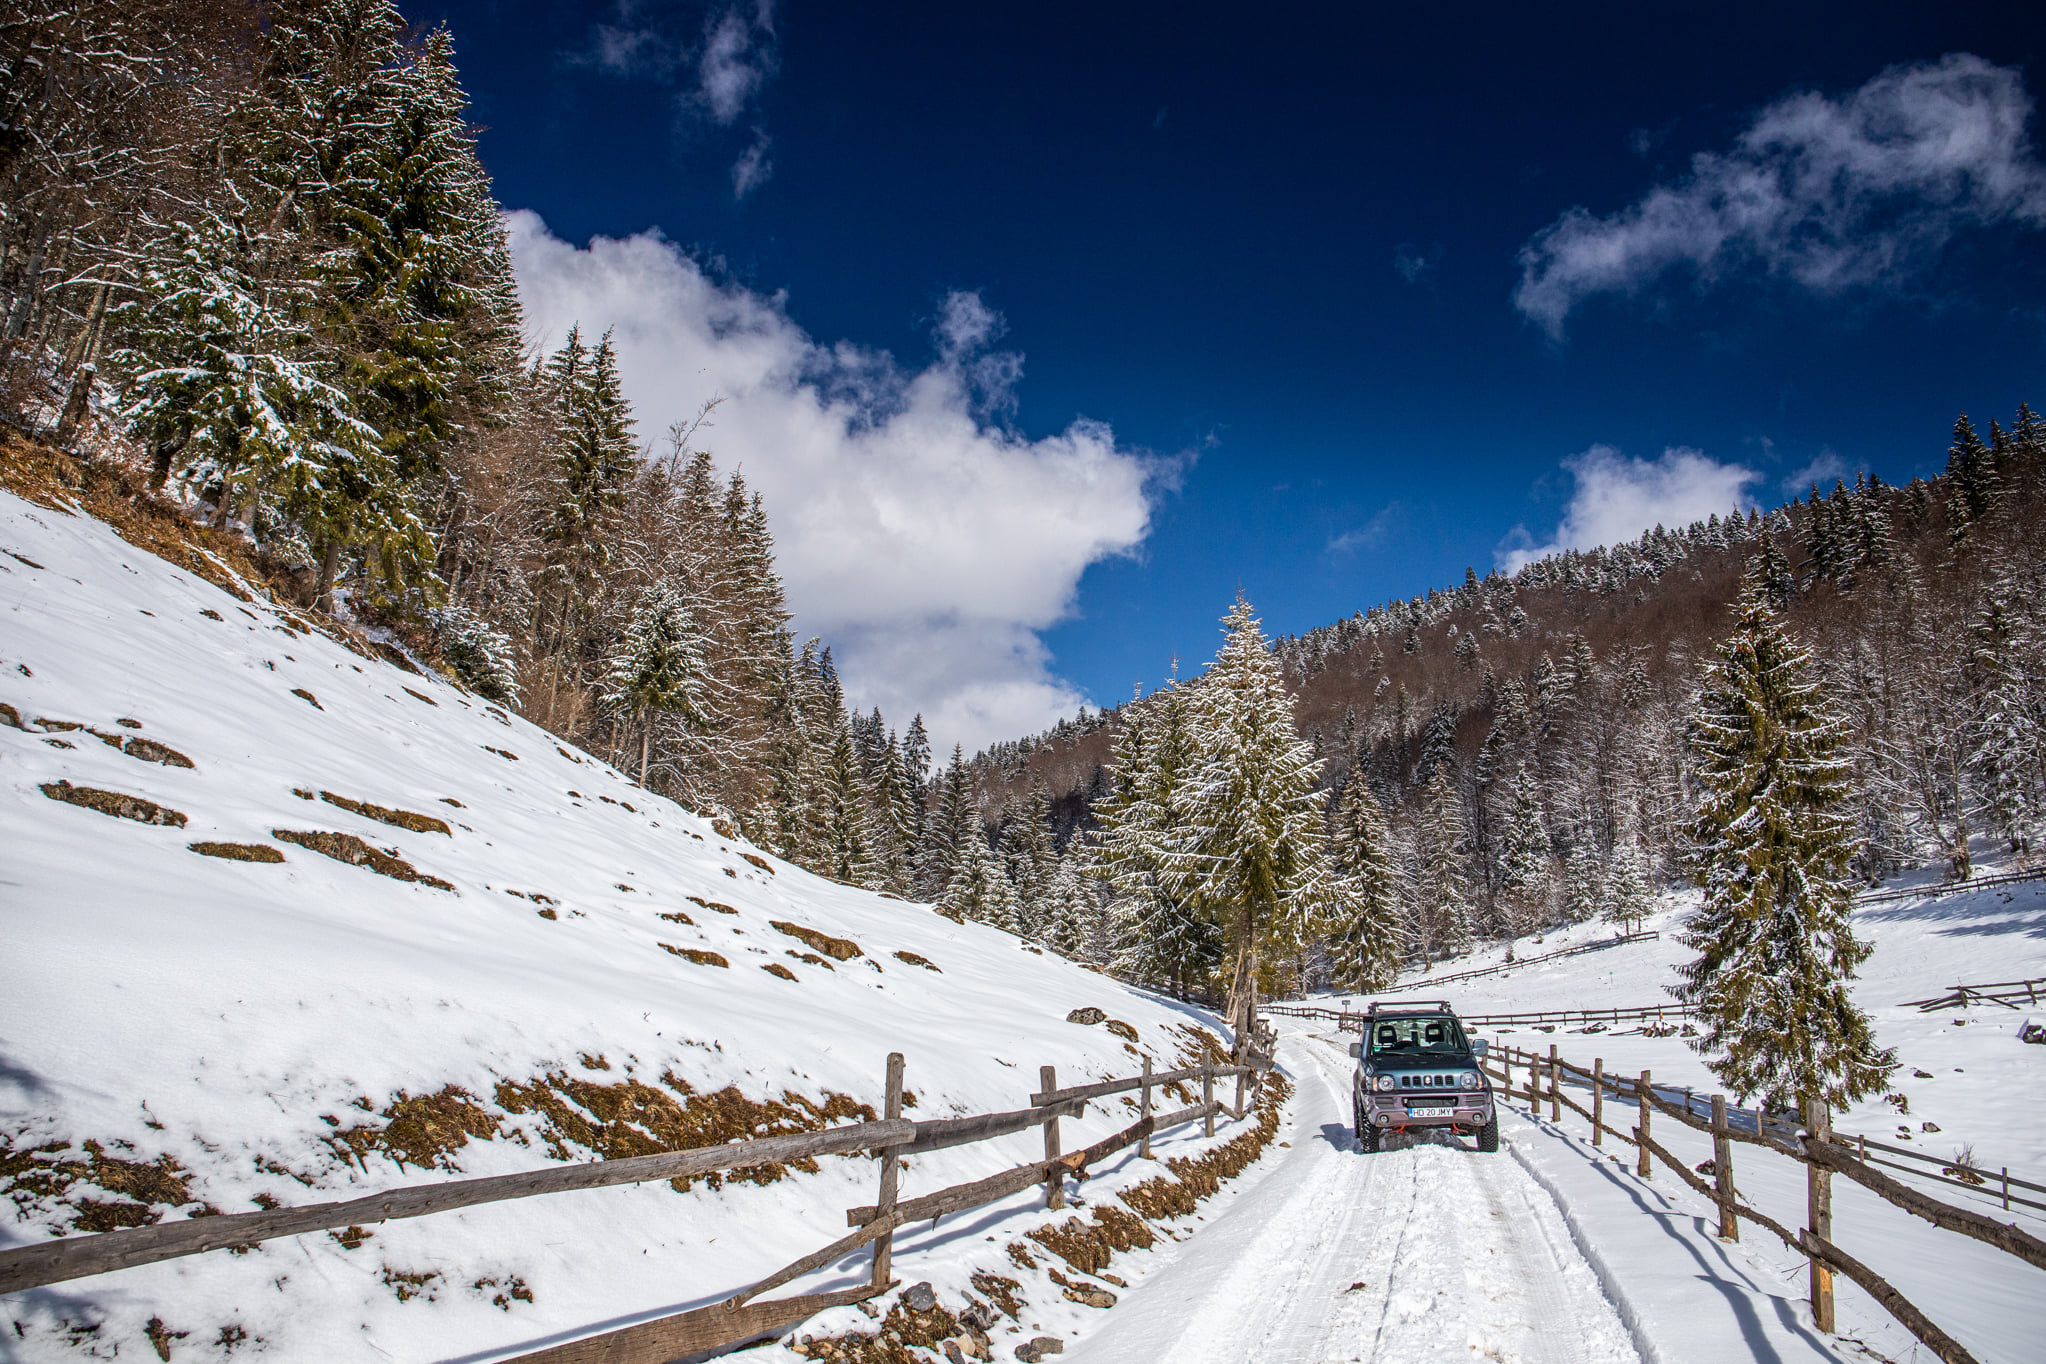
1814	1145
737	1318
1934	892
1430	982
2003	992
1346	1019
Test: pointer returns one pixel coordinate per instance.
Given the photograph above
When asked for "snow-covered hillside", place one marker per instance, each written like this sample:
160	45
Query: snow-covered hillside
579	969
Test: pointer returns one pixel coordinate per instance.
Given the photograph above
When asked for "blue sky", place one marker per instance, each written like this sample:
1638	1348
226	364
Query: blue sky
1044	330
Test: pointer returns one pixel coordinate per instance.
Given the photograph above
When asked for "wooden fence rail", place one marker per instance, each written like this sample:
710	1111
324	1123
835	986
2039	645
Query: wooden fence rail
1814	1145
1347	1018
738	1317
1934	892
2003	992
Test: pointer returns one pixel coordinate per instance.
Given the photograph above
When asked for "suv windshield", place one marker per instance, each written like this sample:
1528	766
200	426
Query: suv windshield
1417	1037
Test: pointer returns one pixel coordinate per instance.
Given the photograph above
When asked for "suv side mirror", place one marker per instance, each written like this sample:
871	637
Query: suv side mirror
1478	1047
1356	1050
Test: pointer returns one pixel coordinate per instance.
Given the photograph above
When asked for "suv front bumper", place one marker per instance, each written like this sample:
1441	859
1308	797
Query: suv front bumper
1464	1108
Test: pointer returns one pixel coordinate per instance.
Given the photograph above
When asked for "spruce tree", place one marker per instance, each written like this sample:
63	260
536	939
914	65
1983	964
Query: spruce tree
1071	908
1249	846
1367	933
1442	887
1773	839
658	668
1524	864
1156	932
980	892
842	851
1628	896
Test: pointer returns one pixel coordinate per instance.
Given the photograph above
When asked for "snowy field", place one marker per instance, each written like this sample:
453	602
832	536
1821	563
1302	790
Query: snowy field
1968	1081
242	1019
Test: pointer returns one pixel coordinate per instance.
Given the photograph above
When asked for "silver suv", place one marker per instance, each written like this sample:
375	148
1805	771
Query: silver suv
1415	1069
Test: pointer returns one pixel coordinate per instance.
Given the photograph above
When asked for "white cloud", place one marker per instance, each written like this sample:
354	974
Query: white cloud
752	169
927	544
1823	469
1367	536
1616	498
1832	194
738	56
1415	264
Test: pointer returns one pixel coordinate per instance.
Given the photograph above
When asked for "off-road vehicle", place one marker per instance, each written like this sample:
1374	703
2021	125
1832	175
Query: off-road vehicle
1415	1068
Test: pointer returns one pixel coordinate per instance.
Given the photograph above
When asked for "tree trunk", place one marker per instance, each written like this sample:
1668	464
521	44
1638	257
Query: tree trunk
330	566
646	733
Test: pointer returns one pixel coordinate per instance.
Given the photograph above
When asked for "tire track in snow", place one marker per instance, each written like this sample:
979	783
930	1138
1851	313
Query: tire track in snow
1426	1252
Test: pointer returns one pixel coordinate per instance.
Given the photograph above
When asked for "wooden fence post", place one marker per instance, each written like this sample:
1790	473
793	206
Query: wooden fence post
1208	1096
1240	1078
891	1168
1144	1146
1645	1168
1055	1180
1818	1120
1598	1101
1555	1087
1722	1171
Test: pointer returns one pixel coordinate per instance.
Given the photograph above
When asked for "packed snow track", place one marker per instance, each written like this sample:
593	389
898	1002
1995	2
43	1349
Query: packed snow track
1426	1251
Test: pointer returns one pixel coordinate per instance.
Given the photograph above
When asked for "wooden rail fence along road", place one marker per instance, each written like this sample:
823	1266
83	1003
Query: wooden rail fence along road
1345	1018
737	1318
1814	1145
1430	982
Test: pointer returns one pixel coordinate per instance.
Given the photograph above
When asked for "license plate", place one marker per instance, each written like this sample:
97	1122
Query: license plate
1430	1110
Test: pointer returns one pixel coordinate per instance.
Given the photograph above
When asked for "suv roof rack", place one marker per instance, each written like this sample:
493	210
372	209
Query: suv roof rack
1378	1006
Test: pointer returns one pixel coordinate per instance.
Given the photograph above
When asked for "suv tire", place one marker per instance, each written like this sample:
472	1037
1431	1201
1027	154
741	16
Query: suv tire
1488	1135
1368	1138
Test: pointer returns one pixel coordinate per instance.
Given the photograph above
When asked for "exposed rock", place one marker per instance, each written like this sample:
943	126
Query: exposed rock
1037	1348
919	1297
1088	1015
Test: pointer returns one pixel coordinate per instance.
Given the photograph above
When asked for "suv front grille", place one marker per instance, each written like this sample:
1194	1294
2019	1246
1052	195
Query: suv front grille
1445	1080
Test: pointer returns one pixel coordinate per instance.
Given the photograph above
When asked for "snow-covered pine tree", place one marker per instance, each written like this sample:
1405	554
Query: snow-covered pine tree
1772	842
482	656
1367	932
1628	896
1249	846
893	827
222	385
1525	873
658	668
1070	912
980	892
946	827
1584	879
1154	932
842	851
1442	886
2009	730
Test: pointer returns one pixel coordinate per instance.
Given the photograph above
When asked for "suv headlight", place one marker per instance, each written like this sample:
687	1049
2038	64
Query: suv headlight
1382	1082
1471	1080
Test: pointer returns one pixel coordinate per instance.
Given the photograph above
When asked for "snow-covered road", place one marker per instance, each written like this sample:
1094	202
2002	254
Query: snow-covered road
1423	1252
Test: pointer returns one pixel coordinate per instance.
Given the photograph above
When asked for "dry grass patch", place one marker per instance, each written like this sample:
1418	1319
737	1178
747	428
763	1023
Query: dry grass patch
917	959
775	968
404	819
630	1118
115	803
425	1131
712	905
238	852
356	853
838	949
701	958
41	1178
